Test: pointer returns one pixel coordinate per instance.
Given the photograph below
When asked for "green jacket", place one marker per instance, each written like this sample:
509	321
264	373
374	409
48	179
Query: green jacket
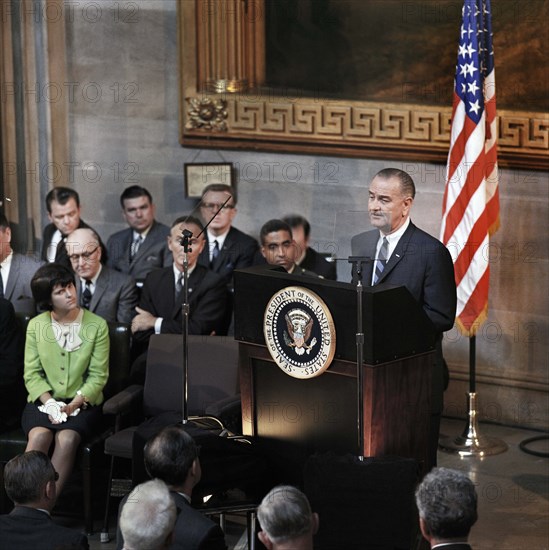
48	367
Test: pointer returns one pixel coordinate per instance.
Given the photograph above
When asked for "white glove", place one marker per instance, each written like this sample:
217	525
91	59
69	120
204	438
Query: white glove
53	409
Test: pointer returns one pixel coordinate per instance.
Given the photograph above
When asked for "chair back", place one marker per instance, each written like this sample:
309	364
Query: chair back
119	358
212	371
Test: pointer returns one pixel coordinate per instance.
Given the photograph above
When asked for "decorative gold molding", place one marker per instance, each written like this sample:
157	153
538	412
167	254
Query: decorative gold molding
207	114
263	121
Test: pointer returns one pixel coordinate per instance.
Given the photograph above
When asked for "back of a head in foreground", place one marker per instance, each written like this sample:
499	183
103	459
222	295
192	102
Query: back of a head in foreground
447	504
285	514
148	517
26	475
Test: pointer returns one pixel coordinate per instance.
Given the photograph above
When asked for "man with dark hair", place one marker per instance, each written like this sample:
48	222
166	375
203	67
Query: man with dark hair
172	456
16	272
279	248
286	519
63	205
160	306
227	248
308	258
447	503
141	247
29	480
405	255
103	291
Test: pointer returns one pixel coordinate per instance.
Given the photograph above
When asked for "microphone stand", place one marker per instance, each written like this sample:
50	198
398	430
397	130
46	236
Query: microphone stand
357	262
185	321
185	243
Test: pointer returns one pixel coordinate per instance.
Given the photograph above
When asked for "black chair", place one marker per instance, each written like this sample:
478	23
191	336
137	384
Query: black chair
14	442
213	395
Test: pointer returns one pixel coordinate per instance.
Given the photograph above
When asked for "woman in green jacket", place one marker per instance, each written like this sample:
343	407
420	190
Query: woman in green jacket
66	369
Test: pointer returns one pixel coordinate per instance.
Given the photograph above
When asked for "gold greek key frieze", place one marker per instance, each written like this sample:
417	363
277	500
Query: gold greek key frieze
365	123
360	124
524	132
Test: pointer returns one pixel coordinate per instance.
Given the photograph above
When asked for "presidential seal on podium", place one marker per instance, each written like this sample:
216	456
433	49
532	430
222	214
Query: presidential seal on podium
299	332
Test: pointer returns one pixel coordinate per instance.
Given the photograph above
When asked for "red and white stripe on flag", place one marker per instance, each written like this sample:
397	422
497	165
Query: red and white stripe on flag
470	211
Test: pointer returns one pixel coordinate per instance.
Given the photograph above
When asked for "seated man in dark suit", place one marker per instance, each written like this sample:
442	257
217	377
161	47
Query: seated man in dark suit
286	519
279	248
63	205
172	456
143	246
447	504
160	306
12	389
16	272
227	248
29	480
309	258
148	517
104	291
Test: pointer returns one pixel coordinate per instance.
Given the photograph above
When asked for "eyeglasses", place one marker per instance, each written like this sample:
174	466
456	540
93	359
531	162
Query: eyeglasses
85	255
215	206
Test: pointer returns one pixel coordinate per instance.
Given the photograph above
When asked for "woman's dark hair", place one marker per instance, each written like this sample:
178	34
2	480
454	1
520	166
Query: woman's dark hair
45	280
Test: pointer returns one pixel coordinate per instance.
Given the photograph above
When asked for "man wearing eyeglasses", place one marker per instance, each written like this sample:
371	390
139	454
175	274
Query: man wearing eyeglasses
226	248
104	291
29	480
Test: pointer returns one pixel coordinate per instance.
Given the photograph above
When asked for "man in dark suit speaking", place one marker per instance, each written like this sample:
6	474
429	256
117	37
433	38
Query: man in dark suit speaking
405	255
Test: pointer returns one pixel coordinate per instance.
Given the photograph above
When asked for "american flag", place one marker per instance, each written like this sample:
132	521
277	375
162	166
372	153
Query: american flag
470	210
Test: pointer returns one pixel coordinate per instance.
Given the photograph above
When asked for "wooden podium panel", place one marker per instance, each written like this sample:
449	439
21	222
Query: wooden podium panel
319	414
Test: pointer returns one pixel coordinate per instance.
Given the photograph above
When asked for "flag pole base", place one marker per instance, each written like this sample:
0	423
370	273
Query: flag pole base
471	442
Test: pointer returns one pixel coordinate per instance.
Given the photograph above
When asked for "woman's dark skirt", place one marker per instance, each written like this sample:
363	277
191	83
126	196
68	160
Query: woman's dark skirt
86	422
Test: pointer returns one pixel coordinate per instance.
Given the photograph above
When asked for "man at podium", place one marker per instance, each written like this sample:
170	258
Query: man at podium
403	254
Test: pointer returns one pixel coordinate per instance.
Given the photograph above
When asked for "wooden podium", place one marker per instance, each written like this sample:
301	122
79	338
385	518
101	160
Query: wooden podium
320	414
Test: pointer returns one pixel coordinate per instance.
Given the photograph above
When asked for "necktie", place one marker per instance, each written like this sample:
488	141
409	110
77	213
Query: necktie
136	243
86	295
1	284
381	259
178	288
215	252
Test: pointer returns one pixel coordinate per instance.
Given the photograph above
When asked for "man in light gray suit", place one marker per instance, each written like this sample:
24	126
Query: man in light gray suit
105	292
143	246
16	272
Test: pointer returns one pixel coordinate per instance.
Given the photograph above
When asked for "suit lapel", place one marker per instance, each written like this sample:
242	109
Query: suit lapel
398	253
13	276
370	252
101	285
125	252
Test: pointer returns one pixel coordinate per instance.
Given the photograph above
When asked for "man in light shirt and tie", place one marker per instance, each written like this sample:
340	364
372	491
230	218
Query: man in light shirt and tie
142	246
